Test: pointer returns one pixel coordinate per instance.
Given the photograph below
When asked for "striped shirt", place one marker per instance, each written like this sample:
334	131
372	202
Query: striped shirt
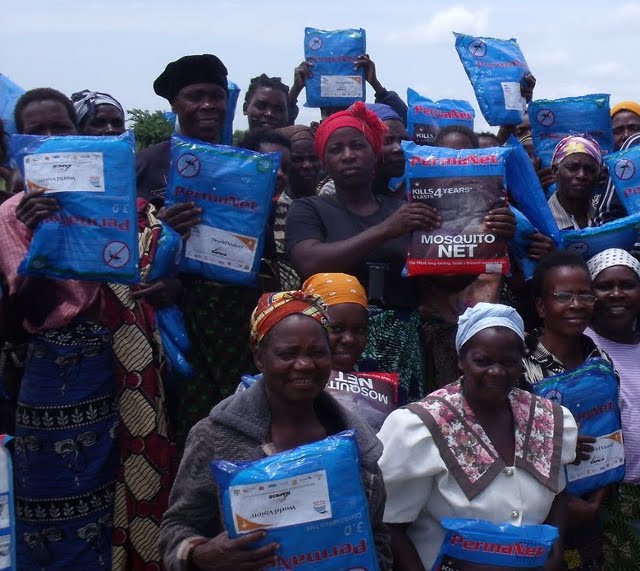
564	219
626	358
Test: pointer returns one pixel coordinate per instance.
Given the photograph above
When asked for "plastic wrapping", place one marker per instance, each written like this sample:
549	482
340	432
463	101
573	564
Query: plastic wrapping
425	118
94	234
520	243
175	342
554	119
526	191
235	189
8	560
477	545
9	95
310	500
463	186
621	233
496	69
590	392
624	170
334	81
370	396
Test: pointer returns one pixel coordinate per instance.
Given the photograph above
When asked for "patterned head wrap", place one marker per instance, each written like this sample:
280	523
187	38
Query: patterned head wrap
296	133
577	144
86	102
336	288
612	257
358	117
274	307
484	315
626	106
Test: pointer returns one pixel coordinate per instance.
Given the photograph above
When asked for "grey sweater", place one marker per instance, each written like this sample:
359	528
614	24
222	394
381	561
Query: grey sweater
236	429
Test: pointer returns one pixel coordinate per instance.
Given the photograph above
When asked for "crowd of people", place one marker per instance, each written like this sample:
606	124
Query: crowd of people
111	463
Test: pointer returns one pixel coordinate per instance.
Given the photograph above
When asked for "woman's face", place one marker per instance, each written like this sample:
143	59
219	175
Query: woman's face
392	155
561	307
456	141
107	120
305	165
491	363
348	335
47	117
295	359
267	109
617	291
577	176
282	179
349	158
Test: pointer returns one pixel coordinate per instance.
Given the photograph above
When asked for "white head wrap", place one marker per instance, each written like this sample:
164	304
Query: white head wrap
612	257
86	102
484	315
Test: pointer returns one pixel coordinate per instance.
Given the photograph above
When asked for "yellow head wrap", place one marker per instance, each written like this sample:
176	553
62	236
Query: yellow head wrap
626	106
336	288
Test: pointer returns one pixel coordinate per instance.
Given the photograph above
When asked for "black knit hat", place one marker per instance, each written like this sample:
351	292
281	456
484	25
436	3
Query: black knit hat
205	68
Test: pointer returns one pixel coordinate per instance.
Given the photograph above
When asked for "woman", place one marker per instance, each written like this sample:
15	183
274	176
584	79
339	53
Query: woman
290	408
129	313
576	166
347	308
616	285
456	453
98	113
366	235
564	301
266	103
457	137
303	175
390	168
66	458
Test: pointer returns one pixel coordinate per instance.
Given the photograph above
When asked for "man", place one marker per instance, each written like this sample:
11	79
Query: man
216	315
625	119
196	87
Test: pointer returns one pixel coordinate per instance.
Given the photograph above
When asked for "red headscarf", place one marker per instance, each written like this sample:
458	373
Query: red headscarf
358	117
274	307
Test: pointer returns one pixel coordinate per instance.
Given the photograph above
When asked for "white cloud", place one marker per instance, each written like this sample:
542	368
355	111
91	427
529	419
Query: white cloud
438	27
607	68
554	57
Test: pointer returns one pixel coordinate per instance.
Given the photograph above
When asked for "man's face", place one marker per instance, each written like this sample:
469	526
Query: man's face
201	109
625	124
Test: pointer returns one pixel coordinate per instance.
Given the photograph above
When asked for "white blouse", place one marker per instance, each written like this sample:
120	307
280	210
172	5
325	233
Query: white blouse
421	491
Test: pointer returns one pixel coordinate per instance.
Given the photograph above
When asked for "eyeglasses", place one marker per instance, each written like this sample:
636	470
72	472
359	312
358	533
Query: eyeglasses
567	297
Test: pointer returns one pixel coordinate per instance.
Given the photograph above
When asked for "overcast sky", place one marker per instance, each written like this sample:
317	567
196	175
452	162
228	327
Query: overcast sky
121	46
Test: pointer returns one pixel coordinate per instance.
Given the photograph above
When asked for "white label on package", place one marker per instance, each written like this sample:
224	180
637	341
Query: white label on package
281	503
341	86
4	511
608	453
221	248
5	552
513	100
65	172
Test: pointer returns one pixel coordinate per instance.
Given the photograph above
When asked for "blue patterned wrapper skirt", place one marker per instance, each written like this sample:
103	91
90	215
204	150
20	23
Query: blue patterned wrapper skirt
66	455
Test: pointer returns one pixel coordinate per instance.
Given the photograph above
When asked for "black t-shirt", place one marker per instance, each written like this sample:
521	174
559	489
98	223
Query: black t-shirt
324	218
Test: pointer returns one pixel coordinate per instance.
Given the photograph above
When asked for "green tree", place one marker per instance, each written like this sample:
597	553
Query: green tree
237	136
149	127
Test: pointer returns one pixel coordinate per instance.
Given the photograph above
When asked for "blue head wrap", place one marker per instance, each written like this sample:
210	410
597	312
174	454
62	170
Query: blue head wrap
484	315
384	112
